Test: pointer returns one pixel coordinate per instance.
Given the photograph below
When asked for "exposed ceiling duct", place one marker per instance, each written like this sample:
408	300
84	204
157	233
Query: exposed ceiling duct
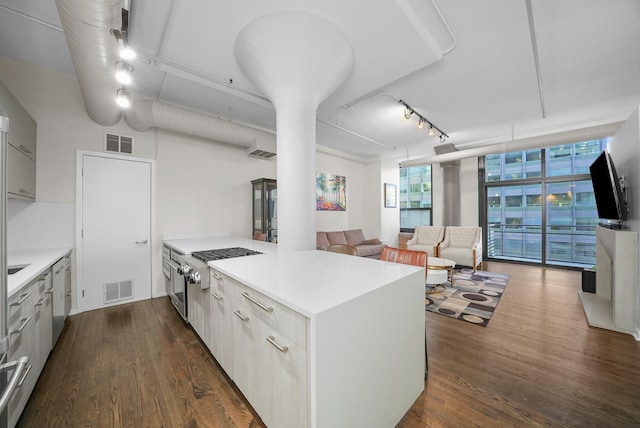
146	114
87	26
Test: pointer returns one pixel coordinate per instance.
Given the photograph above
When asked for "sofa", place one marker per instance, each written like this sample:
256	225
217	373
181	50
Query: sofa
355	238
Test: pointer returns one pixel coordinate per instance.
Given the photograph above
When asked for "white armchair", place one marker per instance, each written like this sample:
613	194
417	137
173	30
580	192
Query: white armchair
427	239
462	245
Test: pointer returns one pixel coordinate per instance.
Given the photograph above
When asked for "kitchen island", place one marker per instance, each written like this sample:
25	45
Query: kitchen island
318	339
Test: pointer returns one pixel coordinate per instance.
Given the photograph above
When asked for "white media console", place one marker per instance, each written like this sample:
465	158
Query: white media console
614	306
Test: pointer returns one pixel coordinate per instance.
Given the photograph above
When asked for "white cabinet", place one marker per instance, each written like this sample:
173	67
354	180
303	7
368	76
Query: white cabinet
44	319
198	307
22	341
268	353
220	336
21	153
21	175
614	306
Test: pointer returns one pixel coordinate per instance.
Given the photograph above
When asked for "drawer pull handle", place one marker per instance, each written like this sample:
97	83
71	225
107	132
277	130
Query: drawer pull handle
239	315
12	383
216	276
23	324
281	348
255	302
23	297
24	376
217	296
25	149
41	301
24	192
49	291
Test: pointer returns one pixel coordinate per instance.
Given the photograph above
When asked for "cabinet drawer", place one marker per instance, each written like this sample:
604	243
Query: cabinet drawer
282	319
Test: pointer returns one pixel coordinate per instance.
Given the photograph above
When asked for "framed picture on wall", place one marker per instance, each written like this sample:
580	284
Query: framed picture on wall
390	195
331	192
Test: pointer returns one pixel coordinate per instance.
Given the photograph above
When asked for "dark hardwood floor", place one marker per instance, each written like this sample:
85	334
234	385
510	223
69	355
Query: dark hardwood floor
537	363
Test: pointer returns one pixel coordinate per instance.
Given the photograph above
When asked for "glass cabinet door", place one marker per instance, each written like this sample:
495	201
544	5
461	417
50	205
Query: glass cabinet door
265	211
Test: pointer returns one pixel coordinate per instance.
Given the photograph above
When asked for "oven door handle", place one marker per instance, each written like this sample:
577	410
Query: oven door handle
175	266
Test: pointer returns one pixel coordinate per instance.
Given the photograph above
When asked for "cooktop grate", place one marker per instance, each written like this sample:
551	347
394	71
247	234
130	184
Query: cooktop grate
223	253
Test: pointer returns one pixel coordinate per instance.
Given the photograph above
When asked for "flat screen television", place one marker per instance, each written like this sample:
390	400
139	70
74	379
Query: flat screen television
608	191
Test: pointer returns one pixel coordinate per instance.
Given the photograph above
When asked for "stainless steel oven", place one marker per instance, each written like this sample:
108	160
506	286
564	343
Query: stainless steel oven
180	270
175	281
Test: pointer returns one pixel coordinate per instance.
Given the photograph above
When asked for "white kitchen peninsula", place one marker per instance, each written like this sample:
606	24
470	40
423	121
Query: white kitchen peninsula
350	332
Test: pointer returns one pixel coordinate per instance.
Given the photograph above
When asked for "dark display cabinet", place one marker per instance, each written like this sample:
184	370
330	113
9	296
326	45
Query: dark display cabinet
265	213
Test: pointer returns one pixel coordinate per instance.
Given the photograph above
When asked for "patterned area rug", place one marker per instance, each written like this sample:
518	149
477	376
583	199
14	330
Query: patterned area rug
473	297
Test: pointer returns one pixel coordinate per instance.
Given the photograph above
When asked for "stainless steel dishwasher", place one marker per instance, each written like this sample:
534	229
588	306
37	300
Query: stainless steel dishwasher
58	298
67	285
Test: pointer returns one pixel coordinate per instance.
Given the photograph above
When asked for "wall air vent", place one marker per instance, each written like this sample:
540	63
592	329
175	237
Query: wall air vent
263	147
118	144
260	154
116	291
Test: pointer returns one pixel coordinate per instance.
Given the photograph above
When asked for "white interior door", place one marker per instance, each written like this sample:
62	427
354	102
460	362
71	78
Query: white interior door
115	237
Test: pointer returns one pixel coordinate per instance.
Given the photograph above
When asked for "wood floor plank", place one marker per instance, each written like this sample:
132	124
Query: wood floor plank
537	364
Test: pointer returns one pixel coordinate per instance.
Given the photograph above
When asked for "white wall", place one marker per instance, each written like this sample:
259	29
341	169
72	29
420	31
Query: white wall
389	218
625	152
354	172
39	225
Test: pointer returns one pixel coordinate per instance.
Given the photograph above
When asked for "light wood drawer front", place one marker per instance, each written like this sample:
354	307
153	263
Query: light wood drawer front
283	319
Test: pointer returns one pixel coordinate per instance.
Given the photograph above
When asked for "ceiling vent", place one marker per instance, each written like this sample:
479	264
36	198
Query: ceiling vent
263	148
118	144
446	148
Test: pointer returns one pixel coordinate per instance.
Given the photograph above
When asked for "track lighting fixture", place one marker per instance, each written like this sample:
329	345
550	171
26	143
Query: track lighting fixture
123	72
123	68
409	111
123	98
124	50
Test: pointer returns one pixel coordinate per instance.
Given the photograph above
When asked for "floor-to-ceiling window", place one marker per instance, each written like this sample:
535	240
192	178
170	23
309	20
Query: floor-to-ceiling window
539	204
415	197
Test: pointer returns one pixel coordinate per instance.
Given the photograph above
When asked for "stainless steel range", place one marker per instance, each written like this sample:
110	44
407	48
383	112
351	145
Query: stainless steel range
181	269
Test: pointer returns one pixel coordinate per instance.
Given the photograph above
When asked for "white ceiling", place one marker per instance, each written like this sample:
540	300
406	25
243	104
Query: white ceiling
471	70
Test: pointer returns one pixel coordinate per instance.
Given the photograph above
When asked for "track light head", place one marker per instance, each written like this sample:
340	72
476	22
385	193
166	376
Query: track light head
431	131
123	72
123	98
421	122
407	113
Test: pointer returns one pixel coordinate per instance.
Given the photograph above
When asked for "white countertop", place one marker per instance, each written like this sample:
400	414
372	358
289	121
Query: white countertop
187	246
37	262
311	282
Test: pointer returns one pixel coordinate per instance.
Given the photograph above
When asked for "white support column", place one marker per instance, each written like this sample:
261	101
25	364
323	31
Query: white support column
297	60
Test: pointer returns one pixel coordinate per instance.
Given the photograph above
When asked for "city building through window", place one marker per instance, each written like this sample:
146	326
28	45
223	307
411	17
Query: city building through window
415	197
539	205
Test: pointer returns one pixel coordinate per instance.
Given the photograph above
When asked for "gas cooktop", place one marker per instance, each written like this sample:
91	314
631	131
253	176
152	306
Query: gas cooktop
223	253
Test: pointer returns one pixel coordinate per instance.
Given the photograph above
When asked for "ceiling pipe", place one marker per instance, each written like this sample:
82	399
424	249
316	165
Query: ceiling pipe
566	137
146	114
536	57
87	25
